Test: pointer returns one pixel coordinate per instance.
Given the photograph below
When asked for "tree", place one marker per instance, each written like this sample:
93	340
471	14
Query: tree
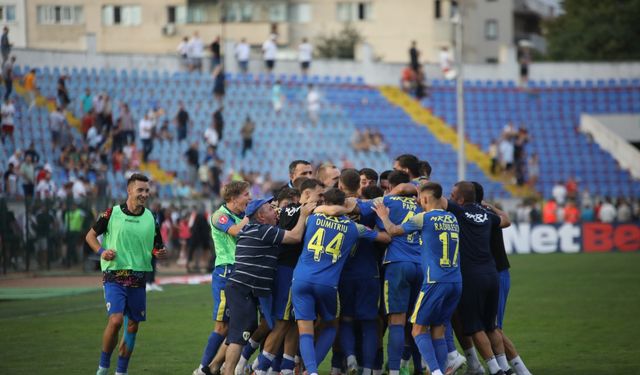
341	45
595	30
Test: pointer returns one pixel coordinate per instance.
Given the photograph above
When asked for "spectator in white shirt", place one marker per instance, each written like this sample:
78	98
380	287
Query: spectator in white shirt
446	63
145	132
183	52
305	53
211	136
94	138
8	111
46	188
607	213
195	52
313	103
269	52
506	151
559	193
243	53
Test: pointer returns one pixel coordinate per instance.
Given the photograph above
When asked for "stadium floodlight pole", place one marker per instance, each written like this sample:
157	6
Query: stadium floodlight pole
462	166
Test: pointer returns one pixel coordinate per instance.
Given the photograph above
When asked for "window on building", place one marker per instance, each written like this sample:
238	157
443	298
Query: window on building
7	13
300	13
278	12
356	11
177	14
122	15
437	11
491	29
58	14
197	14
239	11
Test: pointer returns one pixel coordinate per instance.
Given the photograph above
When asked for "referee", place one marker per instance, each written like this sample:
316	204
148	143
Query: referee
131	238
255	266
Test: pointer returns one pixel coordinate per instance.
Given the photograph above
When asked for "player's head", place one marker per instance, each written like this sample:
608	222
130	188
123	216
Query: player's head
287	196
298	182
368	177
372	192
334	196
299	168
425	169
430	194
328	174
138	189
479	191
236	194
384	180
409	164
398	177
311	190
349	181
463	192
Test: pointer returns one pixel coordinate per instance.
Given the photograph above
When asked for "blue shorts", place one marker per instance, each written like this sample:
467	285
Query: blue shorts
505	285
402	282
479	302
436	304
131	302
360	298
282	293
311	300
243	307
218	282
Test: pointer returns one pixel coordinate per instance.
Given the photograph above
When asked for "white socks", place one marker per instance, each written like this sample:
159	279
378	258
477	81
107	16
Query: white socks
519	366
472	358
502	361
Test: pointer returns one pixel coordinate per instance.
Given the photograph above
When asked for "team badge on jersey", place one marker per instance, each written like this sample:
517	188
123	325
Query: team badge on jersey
223	219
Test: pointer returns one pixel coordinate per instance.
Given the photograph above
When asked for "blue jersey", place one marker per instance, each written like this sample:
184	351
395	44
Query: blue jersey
328	240
440	236
402	248
362	262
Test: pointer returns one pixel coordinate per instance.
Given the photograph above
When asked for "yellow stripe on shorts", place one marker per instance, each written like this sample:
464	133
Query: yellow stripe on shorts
416	308
287	309
221	307
386	296
338	304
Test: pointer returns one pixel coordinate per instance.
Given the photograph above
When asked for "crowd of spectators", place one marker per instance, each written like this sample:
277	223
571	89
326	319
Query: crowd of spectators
368	140
509	157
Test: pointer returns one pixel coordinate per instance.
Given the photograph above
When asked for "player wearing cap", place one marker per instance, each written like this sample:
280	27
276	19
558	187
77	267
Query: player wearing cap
225	223
250	282
327	242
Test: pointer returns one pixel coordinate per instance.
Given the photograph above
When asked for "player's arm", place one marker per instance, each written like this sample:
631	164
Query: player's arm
159	251
504	217
295	235
92	237
225	223
372	235
349	207
404	189
383	237
383	213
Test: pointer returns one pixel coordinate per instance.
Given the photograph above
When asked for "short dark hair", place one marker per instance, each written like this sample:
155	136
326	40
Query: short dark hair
350	179
334	196
310	183
372	192
479	191
137	177
287	193
234	189
299	181
385	175
398	177
433	187
411	162
467	191
370	174
294	164
425	168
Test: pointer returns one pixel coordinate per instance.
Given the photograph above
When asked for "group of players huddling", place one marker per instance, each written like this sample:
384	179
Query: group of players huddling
340	257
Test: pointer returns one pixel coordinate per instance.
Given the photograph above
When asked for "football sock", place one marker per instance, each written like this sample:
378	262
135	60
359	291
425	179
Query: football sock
379	361
440	346
415	355
337	359
123	364
472	358
105	359
249	349
213	344
502	361
347	338
369	343
308	352
275	364
519	366
288	364
425	345
395	346
325	340
406	356
493	365
448	336
264	360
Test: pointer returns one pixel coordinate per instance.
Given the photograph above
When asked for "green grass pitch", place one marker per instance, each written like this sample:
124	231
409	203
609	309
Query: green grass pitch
567	314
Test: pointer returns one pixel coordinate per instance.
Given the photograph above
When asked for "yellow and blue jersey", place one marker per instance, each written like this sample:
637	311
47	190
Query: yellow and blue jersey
362	262
404	248
328	240
440	251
